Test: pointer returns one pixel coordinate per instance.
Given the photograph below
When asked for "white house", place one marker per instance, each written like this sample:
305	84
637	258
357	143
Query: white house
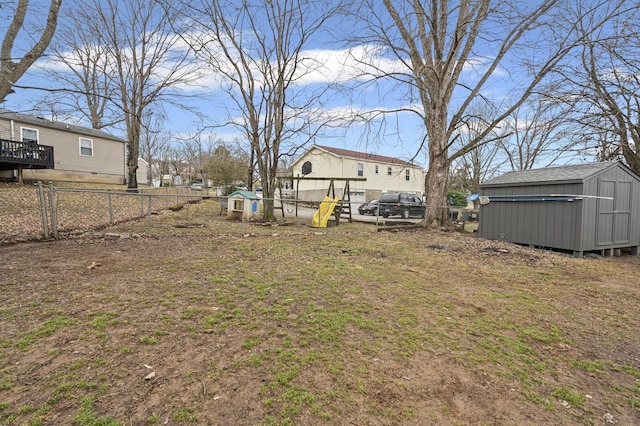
41	149
313	169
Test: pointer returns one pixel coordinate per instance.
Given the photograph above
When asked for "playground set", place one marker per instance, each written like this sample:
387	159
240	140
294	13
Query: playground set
338	207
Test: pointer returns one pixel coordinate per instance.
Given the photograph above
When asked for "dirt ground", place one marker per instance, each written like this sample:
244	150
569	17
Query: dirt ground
296	326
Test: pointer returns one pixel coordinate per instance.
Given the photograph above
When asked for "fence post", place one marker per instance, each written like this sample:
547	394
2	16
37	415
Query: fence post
43	211
110	209
141	205
149	212
166	201
54	213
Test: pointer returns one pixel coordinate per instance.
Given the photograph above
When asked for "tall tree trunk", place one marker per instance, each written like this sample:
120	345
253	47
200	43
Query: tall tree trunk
133	152
437	177
132	168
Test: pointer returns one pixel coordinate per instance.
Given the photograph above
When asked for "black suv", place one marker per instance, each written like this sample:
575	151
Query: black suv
402	204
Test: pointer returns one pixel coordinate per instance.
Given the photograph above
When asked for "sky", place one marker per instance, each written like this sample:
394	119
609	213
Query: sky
400	136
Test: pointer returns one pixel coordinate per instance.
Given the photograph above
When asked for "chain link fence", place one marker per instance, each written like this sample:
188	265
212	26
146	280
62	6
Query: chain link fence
19	213
47	211
69	209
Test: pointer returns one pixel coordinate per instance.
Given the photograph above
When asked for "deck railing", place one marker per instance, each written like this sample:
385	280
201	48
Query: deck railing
26	153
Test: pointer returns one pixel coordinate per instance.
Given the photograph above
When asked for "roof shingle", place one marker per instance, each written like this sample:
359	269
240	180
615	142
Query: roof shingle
43	122
572	173
364	156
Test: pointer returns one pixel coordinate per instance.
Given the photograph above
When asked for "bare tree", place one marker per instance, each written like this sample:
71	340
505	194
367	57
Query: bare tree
161	166
257	48
196	150
153	141
171	164
81	66
538	134
604	83
12	68
149	62
482	161
436	43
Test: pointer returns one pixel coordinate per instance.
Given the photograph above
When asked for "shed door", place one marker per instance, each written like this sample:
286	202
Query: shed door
614	216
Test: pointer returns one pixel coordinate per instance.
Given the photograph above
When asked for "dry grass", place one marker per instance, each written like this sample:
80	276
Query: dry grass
264	324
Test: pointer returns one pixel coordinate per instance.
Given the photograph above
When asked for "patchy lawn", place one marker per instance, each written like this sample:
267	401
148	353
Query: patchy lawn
203	321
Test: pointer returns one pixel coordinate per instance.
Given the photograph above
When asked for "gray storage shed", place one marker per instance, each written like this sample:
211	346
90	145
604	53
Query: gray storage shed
578	208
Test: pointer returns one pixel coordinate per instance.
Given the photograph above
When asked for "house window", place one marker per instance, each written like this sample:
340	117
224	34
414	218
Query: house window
86	147
360	169
377	169
29	135
306	168
407	175
389	171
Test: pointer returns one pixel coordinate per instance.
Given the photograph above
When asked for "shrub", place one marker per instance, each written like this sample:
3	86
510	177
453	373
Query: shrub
456	198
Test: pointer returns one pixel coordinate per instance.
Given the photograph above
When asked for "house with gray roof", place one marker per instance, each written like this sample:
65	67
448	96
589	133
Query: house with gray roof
576	208
34	148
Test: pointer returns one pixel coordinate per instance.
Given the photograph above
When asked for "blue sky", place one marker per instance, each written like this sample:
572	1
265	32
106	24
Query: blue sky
400	136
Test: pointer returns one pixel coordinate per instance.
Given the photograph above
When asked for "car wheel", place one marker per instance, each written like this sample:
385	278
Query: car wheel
385	215
405	214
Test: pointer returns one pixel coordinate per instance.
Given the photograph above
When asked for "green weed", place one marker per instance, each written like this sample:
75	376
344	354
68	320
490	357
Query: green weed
541	336
149	340
100	321
633	402
590	366
46	329
632	371
252	342
189	313
574	398
86	416
7	380
25	409
153	419
185	414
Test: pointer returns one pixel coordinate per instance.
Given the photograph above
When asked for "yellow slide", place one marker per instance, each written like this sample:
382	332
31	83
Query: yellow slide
321	217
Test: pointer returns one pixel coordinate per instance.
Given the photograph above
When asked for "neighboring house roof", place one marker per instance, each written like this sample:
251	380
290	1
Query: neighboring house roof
573	173
43	122
364	156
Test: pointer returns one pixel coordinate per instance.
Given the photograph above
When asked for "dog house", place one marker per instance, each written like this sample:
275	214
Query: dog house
244	205
577	208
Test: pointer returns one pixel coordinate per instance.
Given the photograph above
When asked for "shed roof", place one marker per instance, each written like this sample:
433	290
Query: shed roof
43	122
245	194
572	173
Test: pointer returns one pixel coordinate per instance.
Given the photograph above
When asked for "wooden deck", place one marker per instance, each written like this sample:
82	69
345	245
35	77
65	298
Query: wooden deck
24	155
